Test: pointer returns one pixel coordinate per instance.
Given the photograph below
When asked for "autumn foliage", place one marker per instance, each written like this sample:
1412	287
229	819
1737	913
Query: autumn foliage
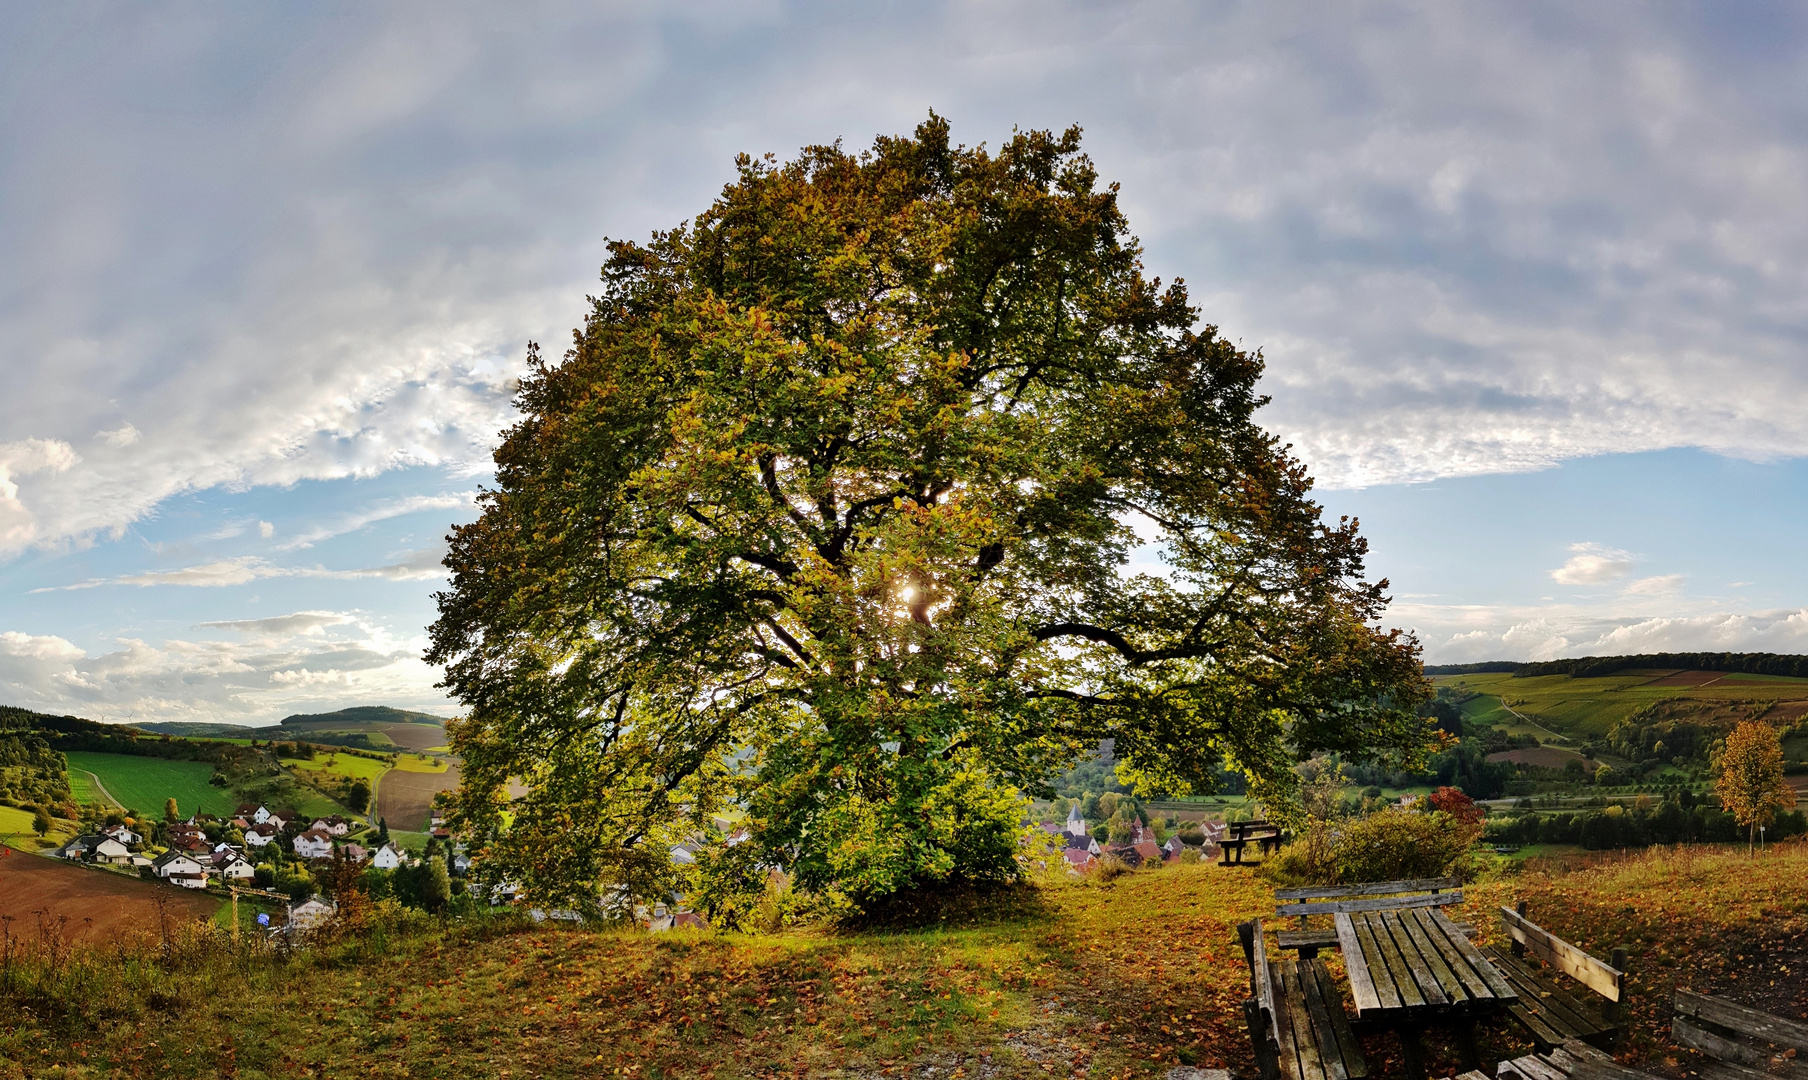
1750	782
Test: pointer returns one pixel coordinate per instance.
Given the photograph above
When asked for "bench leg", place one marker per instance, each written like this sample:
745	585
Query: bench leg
1465	1045
1412	1050
1266	1062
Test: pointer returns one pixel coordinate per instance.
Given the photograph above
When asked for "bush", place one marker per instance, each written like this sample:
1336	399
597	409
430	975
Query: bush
1397	844
1109	868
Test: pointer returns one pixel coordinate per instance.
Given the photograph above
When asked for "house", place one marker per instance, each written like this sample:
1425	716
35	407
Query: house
354	852
311	913
1173	847
232	866
188	881
78	847
1079	860
174	862
197	845
388	857
461	862
1146	852
335	825
123	834
314	844
254	814
681	855
259	835
690	919
111	852
224	846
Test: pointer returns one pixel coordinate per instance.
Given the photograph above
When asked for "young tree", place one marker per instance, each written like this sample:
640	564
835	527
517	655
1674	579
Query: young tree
40	821
1750	784
827	513
169	810
436	886
359	796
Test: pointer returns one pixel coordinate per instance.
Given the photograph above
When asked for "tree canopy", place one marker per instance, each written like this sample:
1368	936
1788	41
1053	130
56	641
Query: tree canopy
828	516
1751	784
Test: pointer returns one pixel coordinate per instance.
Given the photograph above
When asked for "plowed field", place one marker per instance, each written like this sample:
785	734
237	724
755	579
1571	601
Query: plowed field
95	905
405	798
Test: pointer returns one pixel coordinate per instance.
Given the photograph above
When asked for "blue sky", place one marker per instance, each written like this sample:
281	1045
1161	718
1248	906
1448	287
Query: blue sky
1529	279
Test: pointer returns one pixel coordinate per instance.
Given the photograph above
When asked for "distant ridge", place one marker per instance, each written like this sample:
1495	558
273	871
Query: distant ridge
364	714
1583	667
202	729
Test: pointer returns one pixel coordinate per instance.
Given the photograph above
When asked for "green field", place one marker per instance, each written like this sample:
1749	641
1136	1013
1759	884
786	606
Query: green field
83	790
1588	708
143	783
341	765
17	823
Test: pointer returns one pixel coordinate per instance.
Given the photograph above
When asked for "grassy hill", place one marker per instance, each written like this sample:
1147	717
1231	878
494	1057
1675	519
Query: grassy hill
1128	979
143	783
360	715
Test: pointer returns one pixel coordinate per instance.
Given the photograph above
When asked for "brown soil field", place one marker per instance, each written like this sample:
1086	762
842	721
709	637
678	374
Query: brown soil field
1787	712
96	905
1544	757
415	736
405	798
1689	678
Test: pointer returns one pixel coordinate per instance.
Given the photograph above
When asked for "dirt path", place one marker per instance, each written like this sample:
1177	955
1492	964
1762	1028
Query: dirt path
102	788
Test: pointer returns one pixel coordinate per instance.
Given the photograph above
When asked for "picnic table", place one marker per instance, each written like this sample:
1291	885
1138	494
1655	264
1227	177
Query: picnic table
1267	837
1411	967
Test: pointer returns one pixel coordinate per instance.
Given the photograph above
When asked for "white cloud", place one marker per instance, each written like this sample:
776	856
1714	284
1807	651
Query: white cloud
1593	564
18	526
266	530
317	666
122	436
301	622
1660	585
421	565
383	511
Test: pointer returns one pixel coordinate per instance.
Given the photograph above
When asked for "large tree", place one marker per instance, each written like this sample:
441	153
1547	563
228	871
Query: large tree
828	514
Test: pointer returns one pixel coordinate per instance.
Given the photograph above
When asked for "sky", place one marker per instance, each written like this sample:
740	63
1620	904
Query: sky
1529	280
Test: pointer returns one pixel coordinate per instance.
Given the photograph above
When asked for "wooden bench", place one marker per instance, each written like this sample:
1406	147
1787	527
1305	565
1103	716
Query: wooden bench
1296	1017
1369	896
1548	1011
1240	834
1574	1060
1744	1043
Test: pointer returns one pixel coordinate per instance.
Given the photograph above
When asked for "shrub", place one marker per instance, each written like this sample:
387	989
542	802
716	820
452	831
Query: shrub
1192	836
1395	844
1109	868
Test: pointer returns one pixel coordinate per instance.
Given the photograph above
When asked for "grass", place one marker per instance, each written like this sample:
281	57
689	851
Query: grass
16	824
1584	708
419	763
84	790
143	783
1125	979
341	765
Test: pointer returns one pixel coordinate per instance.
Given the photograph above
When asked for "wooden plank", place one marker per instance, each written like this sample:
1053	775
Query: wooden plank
1432	946
1306	939
1374	903
1329	1052
1727	1050
1726	1070
1354	1064
1474	987
1469	952
1286	1040
1362	984
1542	1033
1473	1074
1533	1067
1429	987
1410	997
1744	1020
1305	1044
1607	1069
1581	1051
1370	888
1603	979
1561	1012
1263	980
1387	994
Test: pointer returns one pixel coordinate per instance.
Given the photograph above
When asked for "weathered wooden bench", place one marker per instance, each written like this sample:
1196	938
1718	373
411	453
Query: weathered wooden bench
1744	1043
1296	1017
1548	1011
1238	835
1369	896
1573	1060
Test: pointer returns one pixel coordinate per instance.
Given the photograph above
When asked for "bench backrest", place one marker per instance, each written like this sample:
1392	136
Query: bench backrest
1604	979
1697	1017
1369	896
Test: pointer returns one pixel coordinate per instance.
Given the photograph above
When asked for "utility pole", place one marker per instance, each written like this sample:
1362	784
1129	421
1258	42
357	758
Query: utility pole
235	913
